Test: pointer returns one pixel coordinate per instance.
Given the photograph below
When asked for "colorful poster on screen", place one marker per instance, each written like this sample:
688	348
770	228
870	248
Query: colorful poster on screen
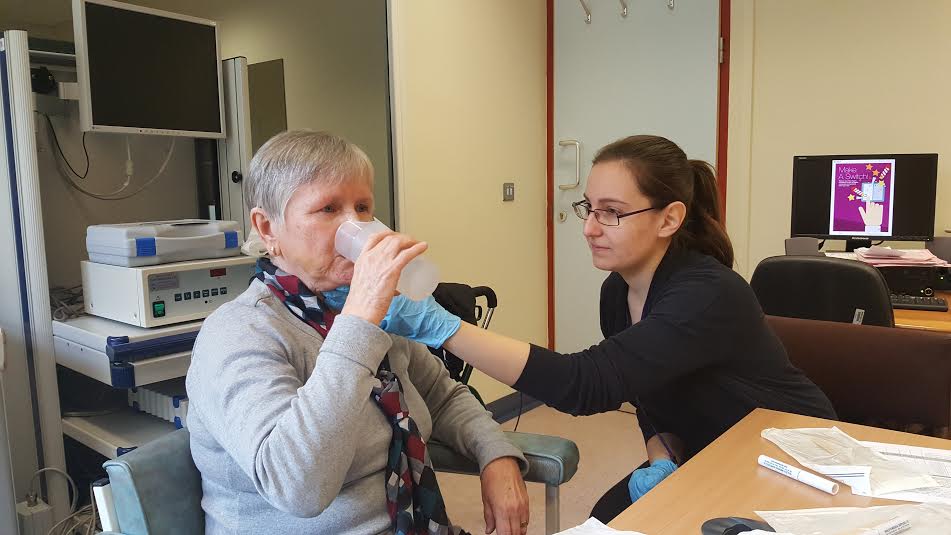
862	197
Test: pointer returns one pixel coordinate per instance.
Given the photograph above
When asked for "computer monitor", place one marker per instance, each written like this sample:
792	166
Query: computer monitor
862	197
146	71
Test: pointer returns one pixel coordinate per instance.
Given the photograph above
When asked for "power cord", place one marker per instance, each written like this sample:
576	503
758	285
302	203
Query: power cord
117	194
114	196
66	303
60	149
72	486
82	522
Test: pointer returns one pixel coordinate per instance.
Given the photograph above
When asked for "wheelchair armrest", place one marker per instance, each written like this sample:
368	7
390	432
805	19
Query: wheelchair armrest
551	460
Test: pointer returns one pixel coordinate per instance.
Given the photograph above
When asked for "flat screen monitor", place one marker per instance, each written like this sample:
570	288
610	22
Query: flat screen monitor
146	71
865	196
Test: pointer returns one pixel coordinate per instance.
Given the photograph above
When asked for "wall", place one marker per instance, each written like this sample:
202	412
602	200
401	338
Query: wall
335	65
334	52
67	212
469	112
819	77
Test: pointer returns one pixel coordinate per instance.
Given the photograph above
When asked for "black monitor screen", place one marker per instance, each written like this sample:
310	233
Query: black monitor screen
885	196
149	71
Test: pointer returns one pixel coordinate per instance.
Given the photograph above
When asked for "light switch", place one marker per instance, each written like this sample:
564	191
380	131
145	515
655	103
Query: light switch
508	191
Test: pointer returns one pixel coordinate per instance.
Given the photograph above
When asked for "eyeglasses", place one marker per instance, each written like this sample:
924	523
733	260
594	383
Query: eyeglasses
608	218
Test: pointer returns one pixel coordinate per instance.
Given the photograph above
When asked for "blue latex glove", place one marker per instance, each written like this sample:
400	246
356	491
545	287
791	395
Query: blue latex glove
644	479
426	321
337	297
423	321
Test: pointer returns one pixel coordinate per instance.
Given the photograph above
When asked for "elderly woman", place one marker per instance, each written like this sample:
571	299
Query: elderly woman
307	420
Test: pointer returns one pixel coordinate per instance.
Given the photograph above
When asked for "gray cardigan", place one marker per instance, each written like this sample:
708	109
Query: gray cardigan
283	428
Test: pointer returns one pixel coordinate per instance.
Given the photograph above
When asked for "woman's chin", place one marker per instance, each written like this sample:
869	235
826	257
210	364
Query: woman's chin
603	264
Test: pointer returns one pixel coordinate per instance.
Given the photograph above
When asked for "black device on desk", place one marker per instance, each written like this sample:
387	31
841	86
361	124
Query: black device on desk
917	302
913	287
732	525
864	197
916	280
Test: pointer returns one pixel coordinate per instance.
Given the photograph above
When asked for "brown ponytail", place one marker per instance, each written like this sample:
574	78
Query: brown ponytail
665	175
703	230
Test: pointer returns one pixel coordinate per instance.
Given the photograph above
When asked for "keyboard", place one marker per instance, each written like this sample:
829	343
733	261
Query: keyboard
914	302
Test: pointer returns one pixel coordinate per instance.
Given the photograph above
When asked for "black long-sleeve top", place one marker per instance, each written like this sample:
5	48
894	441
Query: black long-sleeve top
700	359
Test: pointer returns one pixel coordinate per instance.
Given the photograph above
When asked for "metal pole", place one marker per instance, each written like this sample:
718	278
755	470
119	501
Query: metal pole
551	510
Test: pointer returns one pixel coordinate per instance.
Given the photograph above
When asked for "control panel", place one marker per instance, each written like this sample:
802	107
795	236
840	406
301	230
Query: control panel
150	296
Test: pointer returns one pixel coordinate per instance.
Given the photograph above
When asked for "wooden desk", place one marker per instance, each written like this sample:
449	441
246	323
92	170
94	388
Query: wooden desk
725	480
928	321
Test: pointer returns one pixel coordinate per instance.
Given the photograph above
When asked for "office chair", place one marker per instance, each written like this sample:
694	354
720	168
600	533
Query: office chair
823	288
156	488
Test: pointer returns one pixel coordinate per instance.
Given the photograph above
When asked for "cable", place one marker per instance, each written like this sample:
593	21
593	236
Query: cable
60	149
114	195
66	303
521	397
72	485
84	521
75	521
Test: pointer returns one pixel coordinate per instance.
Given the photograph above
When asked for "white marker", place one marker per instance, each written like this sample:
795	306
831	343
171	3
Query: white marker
808	478
894	526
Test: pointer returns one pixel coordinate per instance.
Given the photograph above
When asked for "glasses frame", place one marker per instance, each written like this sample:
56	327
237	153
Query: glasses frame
584	203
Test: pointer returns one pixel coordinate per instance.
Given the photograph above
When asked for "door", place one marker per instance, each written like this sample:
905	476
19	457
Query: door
653	71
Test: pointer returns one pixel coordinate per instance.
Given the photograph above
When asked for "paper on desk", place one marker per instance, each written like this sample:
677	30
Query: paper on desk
829	451
936	463
594	527
925	519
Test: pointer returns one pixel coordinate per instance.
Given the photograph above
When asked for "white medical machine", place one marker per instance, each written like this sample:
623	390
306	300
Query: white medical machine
162	242
150	296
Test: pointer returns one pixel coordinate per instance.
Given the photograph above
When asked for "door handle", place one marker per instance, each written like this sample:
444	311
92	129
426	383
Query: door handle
577	144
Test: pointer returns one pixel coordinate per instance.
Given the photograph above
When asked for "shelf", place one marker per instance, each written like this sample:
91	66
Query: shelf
96	364
53	58
114	434
83	344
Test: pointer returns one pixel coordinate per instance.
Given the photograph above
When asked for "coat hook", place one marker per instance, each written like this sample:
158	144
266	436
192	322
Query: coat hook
587	12
623	8
670	4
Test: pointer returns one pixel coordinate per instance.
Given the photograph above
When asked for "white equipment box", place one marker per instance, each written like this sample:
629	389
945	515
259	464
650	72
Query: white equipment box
151	296
162	242
124	356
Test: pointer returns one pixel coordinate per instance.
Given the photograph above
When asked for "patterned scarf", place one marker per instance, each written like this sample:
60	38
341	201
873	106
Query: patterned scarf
413	499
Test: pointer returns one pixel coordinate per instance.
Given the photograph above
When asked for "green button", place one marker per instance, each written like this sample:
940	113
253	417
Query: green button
158	309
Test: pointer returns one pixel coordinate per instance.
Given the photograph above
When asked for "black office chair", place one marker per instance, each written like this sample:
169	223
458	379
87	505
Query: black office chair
823	288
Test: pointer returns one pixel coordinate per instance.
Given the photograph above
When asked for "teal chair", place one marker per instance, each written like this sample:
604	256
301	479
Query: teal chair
156	489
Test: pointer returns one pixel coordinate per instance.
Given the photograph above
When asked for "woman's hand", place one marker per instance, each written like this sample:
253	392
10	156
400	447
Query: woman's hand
376	273
504	497
645	479
426	321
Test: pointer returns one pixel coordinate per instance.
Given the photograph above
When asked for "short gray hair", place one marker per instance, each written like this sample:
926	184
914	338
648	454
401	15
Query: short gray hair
295	158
